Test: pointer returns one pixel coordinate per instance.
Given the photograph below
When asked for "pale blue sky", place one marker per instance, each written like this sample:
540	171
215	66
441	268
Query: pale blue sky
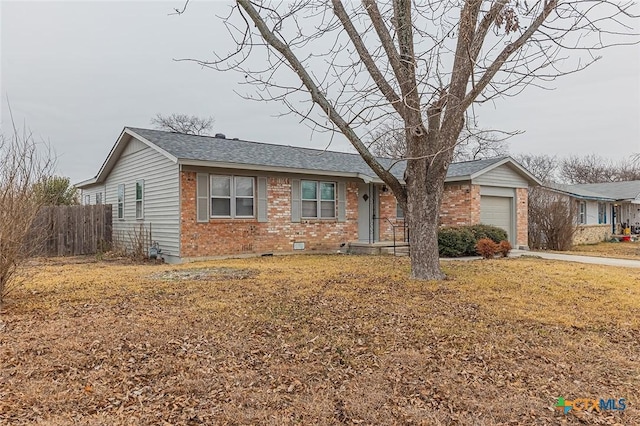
78	72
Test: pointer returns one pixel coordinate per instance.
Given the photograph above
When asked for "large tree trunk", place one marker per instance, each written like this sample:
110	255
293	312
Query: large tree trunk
423	203
425	176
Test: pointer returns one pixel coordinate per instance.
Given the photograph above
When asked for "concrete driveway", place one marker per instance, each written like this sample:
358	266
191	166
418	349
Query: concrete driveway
626	263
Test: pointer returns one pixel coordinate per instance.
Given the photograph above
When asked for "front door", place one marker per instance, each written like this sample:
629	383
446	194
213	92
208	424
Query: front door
368	226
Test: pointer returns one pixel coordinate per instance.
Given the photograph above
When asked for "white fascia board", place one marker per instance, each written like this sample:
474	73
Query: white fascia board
152	145
85	183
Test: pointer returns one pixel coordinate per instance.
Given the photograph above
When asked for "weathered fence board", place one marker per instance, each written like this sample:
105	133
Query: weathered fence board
72	230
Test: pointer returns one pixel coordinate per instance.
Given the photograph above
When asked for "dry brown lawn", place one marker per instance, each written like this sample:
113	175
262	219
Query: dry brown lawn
319	340
623	250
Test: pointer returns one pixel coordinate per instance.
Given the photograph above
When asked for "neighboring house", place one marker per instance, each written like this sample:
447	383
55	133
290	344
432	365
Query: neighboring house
207	196
603	209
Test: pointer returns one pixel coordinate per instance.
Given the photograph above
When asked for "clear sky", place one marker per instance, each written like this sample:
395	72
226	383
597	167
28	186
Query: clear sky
78	72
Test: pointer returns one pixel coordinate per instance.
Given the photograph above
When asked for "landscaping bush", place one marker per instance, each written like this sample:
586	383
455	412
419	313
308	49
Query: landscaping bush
487	248
456	242
494	233
504	248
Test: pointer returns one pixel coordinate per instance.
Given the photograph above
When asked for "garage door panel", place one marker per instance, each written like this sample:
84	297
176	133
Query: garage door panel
496	211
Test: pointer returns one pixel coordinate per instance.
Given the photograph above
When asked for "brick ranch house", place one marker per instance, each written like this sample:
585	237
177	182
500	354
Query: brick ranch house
209	196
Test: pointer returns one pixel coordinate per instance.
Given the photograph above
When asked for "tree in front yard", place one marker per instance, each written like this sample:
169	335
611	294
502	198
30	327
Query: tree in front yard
24	164
423	64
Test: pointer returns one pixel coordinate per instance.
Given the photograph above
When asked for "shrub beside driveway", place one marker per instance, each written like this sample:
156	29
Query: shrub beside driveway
319	340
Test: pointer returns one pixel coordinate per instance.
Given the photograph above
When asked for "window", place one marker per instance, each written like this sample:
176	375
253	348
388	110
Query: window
602	213
99	198
399	211
121	201
232	196
87	200
582	212
140	199
318	199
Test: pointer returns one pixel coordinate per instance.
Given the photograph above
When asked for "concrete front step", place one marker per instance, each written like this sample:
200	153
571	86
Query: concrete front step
381	247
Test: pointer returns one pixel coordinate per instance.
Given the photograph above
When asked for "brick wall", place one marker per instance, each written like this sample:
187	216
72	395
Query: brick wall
459	204
522	217
388	217
236	236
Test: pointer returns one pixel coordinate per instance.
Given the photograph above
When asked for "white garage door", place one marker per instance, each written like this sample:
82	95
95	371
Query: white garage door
496	211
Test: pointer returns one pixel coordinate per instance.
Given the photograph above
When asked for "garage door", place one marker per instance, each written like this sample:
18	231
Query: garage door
496	211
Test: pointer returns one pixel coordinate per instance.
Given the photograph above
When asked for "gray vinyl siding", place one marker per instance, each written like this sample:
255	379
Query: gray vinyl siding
161	196
502	176
91	192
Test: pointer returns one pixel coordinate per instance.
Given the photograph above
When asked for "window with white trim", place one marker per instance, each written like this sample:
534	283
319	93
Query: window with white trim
121	201
318	199
399	211
140	199
98	197
602	213
87	200
582	212
232	196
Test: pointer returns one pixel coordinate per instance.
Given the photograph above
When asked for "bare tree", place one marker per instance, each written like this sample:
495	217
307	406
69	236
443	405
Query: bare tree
595	169
479	144
424	63
23	165
183	123
542	166
473	144
552	221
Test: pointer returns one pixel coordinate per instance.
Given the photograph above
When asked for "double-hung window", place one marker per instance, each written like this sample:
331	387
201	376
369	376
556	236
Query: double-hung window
582	212
98	197
232	196
140	199
318	199
121	201
87	200
602	213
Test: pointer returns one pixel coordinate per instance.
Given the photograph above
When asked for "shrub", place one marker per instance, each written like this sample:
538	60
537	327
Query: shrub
456	242
494	233
504	248
487	248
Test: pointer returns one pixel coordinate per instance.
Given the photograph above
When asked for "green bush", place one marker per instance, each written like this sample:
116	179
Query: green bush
494	233
456	242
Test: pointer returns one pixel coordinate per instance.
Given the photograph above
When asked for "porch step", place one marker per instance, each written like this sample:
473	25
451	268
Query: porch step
380	247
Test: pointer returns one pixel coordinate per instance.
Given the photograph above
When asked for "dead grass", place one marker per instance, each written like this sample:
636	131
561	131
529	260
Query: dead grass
622	250
319	340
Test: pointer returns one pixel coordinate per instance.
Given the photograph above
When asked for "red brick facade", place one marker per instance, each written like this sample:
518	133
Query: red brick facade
460	206
522	217
235	236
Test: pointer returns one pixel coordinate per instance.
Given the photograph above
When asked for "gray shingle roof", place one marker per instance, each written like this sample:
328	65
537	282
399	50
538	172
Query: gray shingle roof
206	148
618	190
629	190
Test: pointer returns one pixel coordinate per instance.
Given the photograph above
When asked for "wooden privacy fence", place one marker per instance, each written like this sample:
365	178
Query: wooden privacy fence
72	230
